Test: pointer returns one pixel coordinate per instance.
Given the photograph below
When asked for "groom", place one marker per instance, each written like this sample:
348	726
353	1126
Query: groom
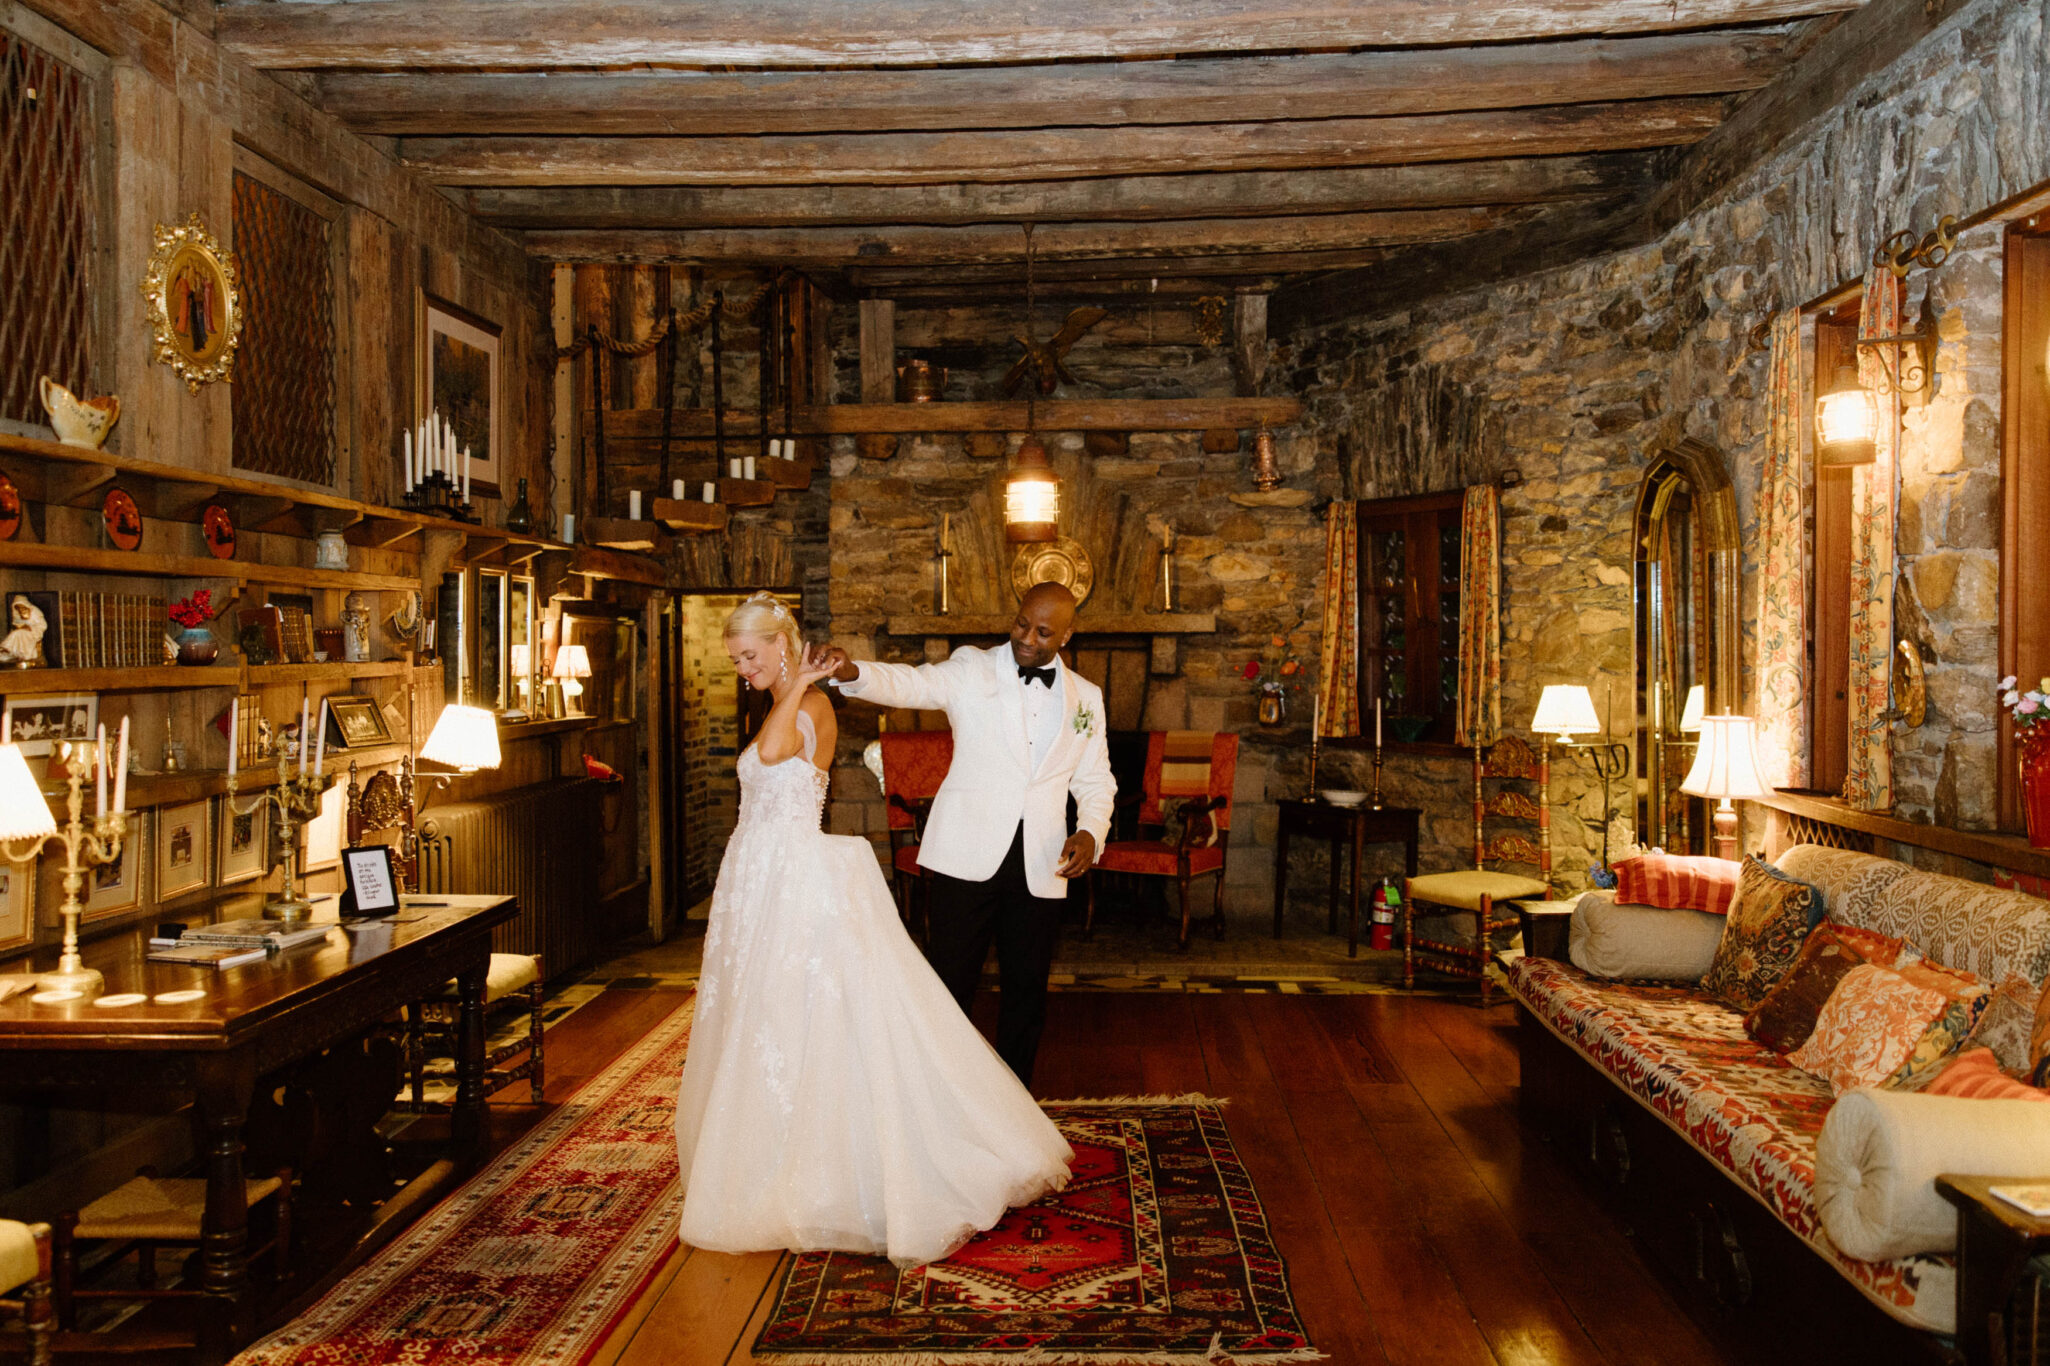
1028	732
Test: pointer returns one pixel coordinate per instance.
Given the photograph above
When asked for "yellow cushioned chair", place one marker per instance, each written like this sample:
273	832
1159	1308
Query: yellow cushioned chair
25	1283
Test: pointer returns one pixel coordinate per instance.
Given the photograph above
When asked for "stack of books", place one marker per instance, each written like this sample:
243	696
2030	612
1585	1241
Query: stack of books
231	943
108	631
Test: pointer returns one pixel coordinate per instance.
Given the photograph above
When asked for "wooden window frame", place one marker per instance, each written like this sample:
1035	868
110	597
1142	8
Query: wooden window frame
1421	519
2024	481
1829	619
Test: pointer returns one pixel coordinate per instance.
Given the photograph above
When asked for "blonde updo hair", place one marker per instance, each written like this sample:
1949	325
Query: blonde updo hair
762	616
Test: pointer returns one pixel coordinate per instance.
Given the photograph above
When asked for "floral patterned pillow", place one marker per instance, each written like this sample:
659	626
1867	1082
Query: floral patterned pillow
1785	1018
1762	935
1868	1028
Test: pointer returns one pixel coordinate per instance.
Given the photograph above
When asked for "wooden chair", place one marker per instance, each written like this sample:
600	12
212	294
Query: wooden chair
385	805
25	1284
915	763
1188	783
150	1212
1477	892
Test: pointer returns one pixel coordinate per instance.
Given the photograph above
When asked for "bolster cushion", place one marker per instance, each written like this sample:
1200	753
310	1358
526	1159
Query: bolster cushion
1610	939
1880	1152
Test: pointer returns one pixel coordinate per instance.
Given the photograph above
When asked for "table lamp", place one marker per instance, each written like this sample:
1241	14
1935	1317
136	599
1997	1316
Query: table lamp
1726	769
1564	710
464	738
572	662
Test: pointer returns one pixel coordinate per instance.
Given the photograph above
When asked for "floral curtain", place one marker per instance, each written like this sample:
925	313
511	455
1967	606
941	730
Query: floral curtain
1339	674
1868	786
1479	719
1781	663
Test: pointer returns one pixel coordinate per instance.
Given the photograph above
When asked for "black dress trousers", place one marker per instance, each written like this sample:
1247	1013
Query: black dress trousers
966	917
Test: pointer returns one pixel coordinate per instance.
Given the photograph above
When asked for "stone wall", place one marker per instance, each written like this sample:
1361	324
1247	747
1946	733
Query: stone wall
1573	377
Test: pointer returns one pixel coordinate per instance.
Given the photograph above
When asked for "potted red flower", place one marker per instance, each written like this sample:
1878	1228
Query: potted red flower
196	643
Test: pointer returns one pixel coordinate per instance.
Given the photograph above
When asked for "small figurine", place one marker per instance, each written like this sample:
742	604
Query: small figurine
23	644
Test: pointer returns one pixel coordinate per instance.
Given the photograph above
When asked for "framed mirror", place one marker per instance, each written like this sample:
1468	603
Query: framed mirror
519	633
492	639
1686	549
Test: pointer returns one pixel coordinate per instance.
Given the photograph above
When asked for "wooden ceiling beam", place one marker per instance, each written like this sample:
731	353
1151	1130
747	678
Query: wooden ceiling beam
1051	242
1058	154
1059	274
456	34
1229	194
1236	90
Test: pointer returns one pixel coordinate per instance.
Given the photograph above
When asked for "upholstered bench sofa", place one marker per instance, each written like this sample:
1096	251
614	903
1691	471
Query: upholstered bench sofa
1707	1140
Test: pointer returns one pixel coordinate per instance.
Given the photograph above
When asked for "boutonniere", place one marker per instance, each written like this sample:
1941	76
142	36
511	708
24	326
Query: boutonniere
1085	720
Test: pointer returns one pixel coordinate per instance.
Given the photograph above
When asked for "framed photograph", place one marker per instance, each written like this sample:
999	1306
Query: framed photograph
373	889
324	832
355	722
245	844
459	381
39	723
184	848
115	887
17	904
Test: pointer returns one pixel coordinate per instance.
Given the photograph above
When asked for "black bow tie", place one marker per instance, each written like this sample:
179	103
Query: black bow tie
1032	675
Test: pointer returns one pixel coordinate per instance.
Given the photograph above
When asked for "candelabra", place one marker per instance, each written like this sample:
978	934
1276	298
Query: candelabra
87	845
1374	798
439	494
297	799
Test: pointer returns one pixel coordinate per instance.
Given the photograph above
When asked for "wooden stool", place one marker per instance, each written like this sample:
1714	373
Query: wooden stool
146	1212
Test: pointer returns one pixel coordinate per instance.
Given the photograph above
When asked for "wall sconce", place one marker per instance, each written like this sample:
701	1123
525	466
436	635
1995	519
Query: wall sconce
1032	495
1846	421
1266	468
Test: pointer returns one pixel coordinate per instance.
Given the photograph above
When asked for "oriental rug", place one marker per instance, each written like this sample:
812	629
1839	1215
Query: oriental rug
1157	1253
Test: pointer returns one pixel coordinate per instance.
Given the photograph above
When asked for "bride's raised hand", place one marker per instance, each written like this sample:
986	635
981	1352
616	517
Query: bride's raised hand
819	661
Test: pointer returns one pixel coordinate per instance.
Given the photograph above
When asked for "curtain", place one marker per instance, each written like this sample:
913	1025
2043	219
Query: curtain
1868	786
1479	719
1780	666
1339	659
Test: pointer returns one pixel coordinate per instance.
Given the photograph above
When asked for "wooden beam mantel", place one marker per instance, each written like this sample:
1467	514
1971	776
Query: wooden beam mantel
396	34
1086	624
1060	415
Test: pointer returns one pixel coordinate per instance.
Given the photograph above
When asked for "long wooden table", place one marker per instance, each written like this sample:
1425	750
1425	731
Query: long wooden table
253	1020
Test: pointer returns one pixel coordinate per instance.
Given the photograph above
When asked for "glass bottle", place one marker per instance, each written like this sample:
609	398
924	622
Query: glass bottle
520	516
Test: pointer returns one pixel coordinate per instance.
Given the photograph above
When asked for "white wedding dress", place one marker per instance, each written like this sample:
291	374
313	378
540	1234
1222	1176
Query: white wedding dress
834	1096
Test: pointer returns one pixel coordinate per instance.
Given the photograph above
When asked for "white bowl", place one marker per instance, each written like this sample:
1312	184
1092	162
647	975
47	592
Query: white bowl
1341	797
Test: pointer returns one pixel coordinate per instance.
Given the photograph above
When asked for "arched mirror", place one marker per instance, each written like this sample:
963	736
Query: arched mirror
1686	632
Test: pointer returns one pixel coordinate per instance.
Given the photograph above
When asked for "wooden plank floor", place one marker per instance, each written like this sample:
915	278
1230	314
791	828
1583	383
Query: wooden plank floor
1419	1222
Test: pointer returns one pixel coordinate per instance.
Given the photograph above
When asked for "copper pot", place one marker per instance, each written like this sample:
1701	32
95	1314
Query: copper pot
920	382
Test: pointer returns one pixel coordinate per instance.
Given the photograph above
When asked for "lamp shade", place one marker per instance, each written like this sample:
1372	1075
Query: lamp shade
1726	763
572	661
463	737
1846	422
1565	709
23	812
1032	495
1691	714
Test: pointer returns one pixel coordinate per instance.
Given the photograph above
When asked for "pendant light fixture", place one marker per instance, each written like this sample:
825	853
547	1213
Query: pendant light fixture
1032	493
1846	421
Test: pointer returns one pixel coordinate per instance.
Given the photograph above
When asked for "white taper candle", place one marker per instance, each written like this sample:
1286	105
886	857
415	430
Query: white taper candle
121	770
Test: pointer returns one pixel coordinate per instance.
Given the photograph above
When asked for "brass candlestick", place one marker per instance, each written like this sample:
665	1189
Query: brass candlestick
86	846
1374	801
297	798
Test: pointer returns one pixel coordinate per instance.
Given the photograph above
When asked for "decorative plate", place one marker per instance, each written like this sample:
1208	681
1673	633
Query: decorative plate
1062	561
10	508
123	519
220	532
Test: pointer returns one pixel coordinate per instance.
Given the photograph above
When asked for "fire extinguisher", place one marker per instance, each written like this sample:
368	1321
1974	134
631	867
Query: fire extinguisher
1387	900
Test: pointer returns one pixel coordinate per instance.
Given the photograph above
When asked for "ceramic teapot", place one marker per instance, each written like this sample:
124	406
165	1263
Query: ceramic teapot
920	381
79	421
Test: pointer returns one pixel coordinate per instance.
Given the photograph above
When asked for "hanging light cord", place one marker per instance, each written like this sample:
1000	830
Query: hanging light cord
1031	320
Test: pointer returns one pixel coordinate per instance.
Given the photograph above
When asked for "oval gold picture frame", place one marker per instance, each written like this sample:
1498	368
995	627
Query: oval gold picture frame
194	301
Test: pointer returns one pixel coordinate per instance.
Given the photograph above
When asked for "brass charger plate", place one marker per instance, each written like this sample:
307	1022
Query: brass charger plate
1062	561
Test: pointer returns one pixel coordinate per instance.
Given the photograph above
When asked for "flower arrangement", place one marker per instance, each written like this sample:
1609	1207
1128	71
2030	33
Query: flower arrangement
196	610
1274	681
2029	709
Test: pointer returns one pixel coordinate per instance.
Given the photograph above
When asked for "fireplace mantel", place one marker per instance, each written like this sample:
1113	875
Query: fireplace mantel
1087	624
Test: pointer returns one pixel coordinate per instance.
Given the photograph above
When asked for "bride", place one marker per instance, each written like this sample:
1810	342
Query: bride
834	1096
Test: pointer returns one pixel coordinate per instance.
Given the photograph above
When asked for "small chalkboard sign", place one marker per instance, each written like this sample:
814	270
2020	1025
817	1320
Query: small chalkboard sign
373	888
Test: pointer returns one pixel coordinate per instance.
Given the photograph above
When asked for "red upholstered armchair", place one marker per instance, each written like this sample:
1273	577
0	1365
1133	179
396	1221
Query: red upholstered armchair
1188	779
915	763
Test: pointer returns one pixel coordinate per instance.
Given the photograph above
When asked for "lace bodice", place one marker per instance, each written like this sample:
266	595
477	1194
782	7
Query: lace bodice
790	793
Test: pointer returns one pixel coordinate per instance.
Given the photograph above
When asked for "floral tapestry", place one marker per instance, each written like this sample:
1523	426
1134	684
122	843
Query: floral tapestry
1480	618
1338	678
1868	785
1781	665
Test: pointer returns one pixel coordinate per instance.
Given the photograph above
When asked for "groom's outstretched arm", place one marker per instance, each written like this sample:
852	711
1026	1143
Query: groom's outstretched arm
923	687
1094	789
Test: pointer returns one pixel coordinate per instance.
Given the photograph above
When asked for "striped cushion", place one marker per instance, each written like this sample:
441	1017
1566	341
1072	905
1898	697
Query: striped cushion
1975	1075
1678	882
1185	763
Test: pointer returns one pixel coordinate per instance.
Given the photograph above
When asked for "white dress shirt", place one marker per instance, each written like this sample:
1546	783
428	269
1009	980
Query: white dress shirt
1043	708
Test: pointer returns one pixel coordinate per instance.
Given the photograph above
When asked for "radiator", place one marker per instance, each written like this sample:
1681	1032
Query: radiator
543	844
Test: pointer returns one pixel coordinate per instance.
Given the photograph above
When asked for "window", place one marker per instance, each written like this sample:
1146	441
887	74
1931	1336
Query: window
50	145
1829	635
2025	481
284	388
1409	614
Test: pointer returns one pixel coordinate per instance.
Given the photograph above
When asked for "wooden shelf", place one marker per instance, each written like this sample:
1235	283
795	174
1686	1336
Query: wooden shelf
190	785
241	677
141	564
534	730
255	675
1062	415
2012	852
999	624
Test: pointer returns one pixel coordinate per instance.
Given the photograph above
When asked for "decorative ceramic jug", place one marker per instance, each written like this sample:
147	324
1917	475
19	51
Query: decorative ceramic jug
79	421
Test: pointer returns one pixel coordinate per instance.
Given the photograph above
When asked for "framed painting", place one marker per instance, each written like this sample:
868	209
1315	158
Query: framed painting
115	887
194	303
184	848
17	904
459	381
40	723
356	722
245	844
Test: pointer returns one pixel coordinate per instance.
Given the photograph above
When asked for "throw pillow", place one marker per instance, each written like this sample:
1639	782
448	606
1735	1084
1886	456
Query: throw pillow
1882	949
1786	1017
1976	1074
1868	1028
1678	882
1762	935
2008	1023
2039	1040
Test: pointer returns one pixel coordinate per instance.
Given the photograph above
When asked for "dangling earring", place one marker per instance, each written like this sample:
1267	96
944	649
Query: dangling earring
783	670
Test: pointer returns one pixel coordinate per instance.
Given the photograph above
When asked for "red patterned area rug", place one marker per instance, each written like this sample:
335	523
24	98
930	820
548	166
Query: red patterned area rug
536	1258
1157	1254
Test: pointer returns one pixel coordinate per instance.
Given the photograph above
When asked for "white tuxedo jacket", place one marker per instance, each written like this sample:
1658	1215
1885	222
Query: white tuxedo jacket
991	785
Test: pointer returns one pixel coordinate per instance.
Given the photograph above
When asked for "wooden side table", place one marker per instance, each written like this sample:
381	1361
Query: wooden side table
1348	826
1546	927
1995	1241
